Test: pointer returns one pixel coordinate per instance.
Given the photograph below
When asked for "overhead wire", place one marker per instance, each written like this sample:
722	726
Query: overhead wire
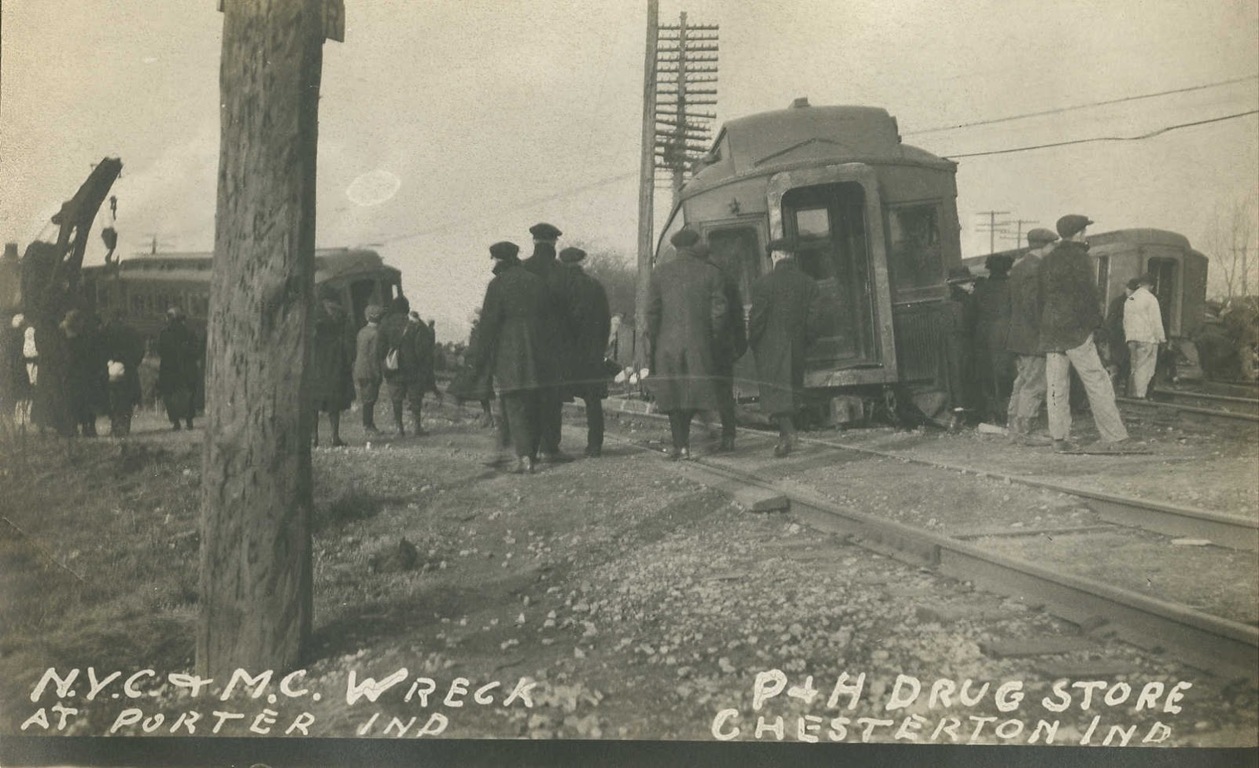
1076	107
521	206
1141	137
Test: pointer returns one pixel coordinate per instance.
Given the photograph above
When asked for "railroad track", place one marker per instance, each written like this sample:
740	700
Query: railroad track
1224	646
1226	407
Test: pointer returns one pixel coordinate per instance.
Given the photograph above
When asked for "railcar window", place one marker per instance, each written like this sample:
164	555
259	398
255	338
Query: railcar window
738	252
914	253
813	223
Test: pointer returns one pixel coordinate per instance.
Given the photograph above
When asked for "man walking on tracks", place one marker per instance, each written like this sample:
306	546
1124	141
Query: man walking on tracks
732	342
1143	329
590	322
557	345
1022	339
1070	312
779	330
510	349
686	310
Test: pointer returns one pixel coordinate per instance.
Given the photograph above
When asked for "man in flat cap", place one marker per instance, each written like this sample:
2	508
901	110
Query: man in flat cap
557	344
1023	337
686	310
589	323
1143	330
1070	312
179	369
779	330
510	348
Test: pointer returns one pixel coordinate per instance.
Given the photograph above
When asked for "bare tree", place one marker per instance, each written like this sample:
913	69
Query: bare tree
256	470
1231	246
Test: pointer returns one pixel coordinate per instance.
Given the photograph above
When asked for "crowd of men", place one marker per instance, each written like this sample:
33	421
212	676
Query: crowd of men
1032	325
65	379
540	339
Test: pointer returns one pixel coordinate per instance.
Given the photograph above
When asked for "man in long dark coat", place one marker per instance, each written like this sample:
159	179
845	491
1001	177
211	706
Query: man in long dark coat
686	310
510	350
589	323
779	331
994	364
1070	312
332	364
124	350
732	343
180	368
556	343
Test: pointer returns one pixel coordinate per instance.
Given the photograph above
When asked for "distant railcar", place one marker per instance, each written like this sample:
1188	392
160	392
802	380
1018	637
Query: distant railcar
1179	272
876	222
142	288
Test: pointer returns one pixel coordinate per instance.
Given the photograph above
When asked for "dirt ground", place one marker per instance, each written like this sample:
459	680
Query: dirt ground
610	599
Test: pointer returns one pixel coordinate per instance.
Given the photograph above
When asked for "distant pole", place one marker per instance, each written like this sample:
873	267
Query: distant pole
992	228
646	185
256	498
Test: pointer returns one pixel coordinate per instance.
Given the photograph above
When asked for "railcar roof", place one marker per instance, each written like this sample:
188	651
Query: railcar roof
827	134
193	265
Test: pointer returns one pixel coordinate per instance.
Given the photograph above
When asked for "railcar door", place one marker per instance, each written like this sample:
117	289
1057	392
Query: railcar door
833	213
1163	270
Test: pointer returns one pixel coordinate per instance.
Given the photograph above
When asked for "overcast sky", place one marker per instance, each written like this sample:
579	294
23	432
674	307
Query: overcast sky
449	124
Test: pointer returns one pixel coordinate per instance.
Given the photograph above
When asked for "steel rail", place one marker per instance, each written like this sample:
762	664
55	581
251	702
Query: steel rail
1221	646
1208	642
1229	531
1212	412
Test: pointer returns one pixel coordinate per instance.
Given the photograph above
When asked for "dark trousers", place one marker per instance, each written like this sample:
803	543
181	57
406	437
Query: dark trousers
680	426
522	409
178	406
786	427
594	422
725	405
550	416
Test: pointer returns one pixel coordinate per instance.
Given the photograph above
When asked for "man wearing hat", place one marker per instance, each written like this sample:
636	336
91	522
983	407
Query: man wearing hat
179	368
779	330
1070	312
589	324
959	345
510	349
1143	329
1022	340
367	376
686	310
557	344
731	344
994	365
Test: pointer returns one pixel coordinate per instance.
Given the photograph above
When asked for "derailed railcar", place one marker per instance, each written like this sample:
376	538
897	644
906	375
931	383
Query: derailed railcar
142	288
877	227
1179	272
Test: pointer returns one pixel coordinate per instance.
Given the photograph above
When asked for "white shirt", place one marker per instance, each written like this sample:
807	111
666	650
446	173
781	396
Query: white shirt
1142	320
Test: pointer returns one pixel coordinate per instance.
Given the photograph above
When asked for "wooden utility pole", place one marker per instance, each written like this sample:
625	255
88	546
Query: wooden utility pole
646	187
256	473
686	77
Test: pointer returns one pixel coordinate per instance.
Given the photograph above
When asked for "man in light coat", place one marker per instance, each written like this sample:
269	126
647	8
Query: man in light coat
1143	328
